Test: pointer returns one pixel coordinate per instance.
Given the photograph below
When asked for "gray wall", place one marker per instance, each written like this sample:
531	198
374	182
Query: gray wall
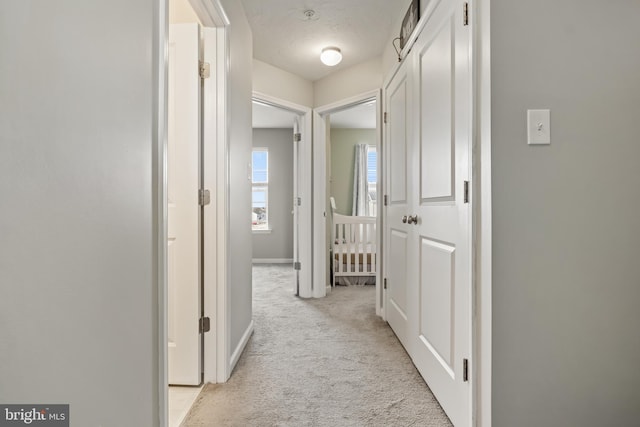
78	261
239	103
566	221
78	289
278	244
342	143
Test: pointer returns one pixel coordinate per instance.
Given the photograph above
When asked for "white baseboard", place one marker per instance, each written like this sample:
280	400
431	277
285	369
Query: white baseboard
235	356
272	261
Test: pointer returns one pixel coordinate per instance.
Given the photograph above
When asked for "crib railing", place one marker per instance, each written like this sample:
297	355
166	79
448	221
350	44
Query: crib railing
354	245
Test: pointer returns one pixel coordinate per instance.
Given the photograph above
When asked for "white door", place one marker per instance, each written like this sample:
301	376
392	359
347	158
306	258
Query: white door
183	179
441	239
397	231
428	262
296	209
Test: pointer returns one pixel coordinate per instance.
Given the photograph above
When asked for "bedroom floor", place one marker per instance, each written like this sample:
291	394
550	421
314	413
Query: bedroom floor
318	362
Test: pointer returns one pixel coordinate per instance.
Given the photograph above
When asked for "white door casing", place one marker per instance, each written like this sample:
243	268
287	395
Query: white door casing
183	179
210	213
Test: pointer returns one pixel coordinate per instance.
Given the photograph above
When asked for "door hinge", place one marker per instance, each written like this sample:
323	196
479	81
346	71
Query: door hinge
204	197
385	117
465	370
386	200
465	14
297	137
297	266
466	191
205	324
297	201
385	283
204	70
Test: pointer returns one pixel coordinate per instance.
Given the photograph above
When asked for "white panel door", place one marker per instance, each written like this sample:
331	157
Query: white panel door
183	179
440	243
398	185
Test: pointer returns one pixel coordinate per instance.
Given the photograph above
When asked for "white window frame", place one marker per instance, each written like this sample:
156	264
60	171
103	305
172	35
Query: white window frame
260	228
373	204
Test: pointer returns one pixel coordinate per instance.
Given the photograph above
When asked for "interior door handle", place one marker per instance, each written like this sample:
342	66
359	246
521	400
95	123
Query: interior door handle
404	219
412	219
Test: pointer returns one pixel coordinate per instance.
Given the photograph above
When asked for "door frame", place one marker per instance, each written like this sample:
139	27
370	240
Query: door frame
217	366
305	153
320	189
217	360
212	14
160	215
482	213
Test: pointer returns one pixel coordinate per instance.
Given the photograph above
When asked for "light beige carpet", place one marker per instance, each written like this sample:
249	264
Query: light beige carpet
318	362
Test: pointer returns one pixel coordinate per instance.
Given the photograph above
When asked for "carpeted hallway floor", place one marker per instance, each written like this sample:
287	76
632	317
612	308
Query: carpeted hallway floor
318	362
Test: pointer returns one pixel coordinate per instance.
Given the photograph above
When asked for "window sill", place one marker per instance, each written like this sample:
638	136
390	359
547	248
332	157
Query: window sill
262	231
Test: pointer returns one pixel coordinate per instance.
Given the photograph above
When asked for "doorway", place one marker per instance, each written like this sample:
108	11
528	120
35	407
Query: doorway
352	171
273	182
195	347
352	120
278	124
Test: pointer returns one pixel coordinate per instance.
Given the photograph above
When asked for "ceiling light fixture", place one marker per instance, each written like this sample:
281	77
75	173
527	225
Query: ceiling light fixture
331	56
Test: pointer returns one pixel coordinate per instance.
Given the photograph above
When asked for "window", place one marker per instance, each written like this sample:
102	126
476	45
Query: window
260	189
372	179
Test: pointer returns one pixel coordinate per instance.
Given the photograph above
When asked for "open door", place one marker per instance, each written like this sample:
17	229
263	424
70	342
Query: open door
296	207
319	214
183	182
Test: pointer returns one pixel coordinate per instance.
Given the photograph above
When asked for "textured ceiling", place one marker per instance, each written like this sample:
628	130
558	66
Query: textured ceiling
284	37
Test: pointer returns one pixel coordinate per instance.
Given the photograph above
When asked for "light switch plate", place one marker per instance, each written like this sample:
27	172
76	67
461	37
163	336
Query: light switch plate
538	127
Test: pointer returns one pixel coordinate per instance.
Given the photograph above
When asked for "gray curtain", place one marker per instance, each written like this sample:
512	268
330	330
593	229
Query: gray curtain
360	193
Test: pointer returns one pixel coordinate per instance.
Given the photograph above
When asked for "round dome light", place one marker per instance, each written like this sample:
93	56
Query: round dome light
331	56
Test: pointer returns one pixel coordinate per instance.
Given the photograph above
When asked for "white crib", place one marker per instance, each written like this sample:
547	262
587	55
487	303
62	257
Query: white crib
354	248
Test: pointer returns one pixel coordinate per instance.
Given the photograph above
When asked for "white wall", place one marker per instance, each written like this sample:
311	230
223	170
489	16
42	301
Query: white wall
566	276
240	135
181	12
281	84
352	81
389	55
78	260
278	243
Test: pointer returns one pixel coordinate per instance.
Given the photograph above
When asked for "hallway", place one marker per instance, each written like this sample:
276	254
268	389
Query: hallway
318	362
